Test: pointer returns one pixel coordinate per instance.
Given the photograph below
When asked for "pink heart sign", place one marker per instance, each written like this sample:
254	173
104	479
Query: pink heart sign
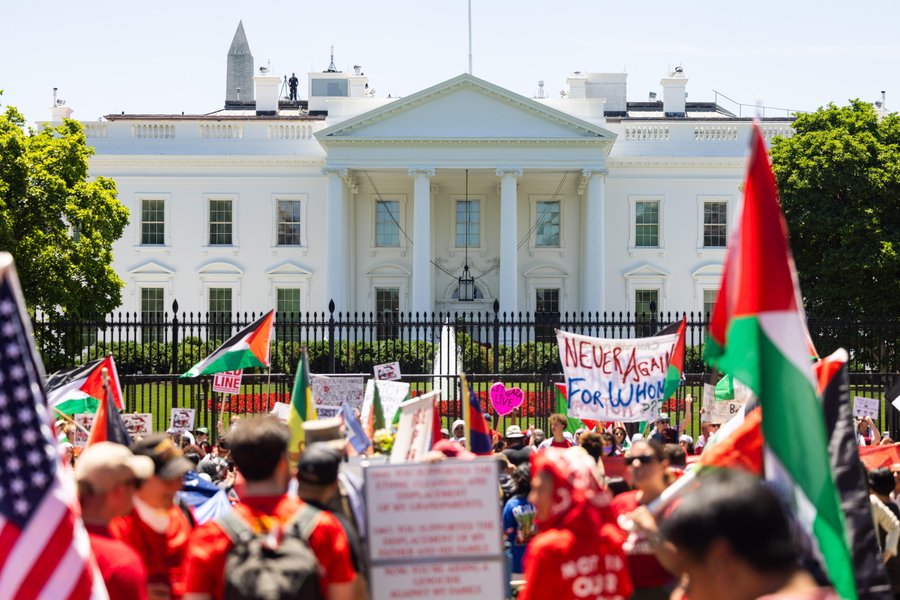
504	399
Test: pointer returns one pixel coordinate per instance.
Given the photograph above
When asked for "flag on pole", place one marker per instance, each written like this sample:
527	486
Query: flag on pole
562	407
676	362
757	334
108	425
44	548
478	436
303	407
356	435
247	348
80	390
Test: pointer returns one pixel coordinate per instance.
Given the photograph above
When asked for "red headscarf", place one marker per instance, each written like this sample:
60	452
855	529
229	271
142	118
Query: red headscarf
580	500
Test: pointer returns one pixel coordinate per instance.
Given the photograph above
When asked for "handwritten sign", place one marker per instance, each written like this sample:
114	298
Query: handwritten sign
615	380
330	392
85	420
434	530
387	371
228	382
504	399
182	419
392	393
866	407
138	424
717	411
414	431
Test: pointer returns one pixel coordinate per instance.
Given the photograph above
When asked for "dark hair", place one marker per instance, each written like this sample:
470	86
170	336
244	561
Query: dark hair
193	453
658	450
675	455
881	481
257	446
736	507
592	444
522	479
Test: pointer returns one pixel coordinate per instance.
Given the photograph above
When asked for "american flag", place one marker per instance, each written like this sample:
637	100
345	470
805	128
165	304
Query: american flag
44	548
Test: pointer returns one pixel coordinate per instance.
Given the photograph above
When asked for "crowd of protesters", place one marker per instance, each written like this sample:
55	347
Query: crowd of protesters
295	525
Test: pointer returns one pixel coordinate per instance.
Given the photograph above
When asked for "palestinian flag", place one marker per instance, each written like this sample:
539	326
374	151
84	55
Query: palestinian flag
108	425
562	407
757	334
80	390
248	348
676	362
303	406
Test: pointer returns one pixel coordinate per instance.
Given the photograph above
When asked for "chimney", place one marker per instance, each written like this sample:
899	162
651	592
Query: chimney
267	88
577	86
60	111
674	93
612	87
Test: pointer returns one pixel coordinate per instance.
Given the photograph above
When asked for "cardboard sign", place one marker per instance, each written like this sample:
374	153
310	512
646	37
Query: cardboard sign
615	380
414	431
228	382
138	424
392	393
86	420
387	371
330	392
866	407
717	411
504	399
182	419
434	530
281	410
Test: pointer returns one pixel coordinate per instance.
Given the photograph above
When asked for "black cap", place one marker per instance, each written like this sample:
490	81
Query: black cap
319	464
168	459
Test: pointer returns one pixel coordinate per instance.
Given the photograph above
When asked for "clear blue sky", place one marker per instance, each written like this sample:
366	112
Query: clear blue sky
168	57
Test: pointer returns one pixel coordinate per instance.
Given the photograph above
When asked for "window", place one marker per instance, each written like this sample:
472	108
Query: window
646	302
546	232
288	223
288	314
468	220
715	224
220	223
646	224
153	222
152	313
387	312
709	300
546	314
387	223
220	305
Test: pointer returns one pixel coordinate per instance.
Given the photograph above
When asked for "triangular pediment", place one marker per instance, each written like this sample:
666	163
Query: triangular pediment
289	268
646	270
468	109
151	267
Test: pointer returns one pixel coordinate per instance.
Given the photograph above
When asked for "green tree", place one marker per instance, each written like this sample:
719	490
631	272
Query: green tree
839	181
58	223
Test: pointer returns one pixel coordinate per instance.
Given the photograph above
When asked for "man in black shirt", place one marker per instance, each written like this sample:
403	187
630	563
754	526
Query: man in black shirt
516	450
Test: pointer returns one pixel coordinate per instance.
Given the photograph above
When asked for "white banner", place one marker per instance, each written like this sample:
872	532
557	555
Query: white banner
392	393
414	430
86	420
282	410
718	411
138	424
388	372
615	380
330	392
866	407
228	382
182	419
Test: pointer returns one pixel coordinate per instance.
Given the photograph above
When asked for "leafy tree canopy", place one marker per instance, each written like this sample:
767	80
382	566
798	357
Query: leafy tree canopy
839	181
58	224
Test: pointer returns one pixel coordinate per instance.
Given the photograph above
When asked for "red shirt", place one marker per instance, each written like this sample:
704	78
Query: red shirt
646	572
163	553
564	566
210	545
122	569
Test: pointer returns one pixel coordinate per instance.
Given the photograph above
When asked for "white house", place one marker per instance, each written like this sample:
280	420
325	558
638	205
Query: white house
588	202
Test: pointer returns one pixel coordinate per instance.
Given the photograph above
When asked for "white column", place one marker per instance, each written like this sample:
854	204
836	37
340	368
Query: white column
593	257
509	269
422	292
335	239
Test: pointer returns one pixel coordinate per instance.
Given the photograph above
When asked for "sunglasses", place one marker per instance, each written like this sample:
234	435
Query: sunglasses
644	459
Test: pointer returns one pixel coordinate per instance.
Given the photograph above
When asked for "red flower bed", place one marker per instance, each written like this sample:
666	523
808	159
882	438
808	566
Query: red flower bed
249	403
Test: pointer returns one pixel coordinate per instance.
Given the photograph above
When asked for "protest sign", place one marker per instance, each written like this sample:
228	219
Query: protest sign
228	382
866	407
875	457
414	430
85	420
615	380
138	424
504	399
281	410
387	371
717	411
330	392
392	393
433	530
182	419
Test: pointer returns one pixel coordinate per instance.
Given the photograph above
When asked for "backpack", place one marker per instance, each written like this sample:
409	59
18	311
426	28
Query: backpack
253	569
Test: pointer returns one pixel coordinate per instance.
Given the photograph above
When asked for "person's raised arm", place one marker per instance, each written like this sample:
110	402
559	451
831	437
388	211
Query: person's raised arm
688	412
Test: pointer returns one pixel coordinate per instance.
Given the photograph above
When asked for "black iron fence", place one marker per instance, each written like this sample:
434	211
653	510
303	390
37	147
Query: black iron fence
518	349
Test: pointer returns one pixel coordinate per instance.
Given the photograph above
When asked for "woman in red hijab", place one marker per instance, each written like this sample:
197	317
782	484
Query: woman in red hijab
578	553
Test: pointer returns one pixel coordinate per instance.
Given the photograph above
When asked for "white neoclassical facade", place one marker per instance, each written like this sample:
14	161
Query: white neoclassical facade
588	202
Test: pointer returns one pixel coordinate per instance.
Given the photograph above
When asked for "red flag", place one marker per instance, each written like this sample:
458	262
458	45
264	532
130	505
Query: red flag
108	425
